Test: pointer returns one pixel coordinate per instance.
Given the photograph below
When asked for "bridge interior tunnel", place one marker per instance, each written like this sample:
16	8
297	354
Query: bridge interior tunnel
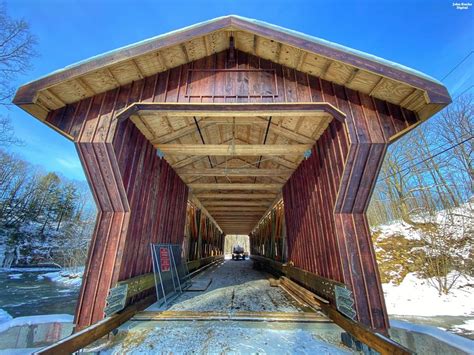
278	174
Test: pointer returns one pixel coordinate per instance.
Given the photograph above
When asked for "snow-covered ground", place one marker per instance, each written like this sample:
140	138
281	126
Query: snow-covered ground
456	222
468	325
221	338
64	277
31	320
415	296
235	286
414	300
4	316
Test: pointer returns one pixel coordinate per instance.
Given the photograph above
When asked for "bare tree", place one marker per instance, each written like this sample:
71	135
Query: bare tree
7	133
426	184
17	48
456	125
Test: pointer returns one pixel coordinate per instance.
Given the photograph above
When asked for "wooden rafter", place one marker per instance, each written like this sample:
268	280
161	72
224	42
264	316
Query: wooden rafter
284	132
187	161
112	76
137	67
283	162
85	87
180	133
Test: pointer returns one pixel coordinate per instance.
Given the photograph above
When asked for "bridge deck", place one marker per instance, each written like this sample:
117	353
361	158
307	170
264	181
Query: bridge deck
239	312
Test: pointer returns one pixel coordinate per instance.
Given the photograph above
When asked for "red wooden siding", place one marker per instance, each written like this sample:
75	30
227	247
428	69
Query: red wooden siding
141	199
268	238
327	196
203	237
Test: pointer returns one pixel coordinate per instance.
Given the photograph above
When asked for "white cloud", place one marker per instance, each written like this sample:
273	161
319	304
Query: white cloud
69	163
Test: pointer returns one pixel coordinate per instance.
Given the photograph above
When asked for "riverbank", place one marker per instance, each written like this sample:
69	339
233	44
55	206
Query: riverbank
28	292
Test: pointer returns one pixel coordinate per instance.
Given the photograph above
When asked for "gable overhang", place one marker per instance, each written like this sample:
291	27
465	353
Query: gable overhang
356	70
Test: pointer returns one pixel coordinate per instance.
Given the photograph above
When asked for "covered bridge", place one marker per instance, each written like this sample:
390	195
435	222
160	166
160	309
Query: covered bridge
234	126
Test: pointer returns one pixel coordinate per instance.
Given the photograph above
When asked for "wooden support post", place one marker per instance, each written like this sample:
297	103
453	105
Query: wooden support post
199	243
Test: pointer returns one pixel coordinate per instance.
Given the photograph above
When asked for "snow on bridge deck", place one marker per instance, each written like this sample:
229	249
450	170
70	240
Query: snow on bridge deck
236	287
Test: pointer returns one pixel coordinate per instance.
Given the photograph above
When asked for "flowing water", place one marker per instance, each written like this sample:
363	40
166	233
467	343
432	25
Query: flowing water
26	293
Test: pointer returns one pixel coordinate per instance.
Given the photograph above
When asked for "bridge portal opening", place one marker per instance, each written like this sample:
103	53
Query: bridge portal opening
234	127
232	240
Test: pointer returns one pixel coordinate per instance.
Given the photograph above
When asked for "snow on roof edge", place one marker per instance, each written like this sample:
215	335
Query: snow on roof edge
293	33
342	48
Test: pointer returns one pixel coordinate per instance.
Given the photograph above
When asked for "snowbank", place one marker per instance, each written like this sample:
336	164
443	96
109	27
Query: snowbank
4	316
415	296
466	327
220	338
28	269
397	228
453	340
456	222
65	277
30	320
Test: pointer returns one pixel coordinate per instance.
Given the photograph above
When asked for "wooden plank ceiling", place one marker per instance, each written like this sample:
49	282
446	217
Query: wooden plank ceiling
235	166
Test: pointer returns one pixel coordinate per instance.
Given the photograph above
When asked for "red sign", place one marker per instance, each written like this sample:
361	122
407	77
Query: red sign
164	259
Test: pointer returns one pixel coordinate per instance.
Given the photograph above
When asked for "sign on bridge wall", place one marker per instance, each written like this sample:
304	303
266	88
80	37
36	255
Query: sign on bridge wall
170	270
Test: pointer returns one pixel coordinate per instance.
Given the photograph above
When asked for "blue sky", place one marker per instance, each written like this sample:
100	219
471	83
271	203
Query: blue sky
430	36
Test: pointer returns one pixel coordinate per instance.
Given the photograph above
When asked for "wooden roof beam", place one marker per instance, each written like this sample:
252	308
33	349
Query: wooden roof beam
232	150
244	196
137	68
236	209
275	187
300	109
235	203
241	213
234	172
